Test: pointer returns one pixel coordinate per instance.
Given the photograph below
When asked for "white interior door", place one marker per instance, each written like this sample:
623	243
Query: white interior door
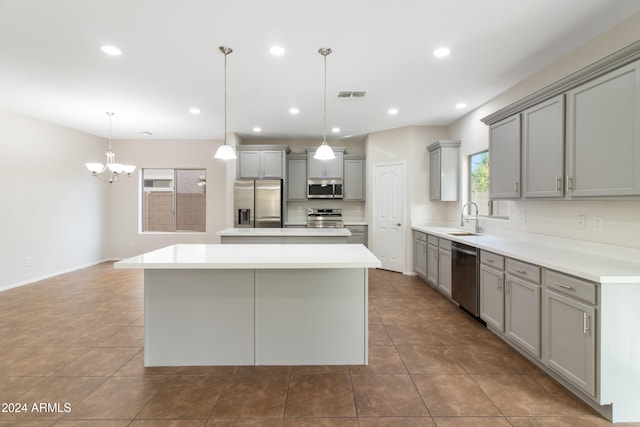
388	215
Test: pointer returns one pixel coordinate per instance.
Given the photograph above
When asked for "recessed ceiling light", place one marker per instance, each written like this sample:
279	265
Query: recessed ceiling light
277	50
460	105
392	111
194	110
441	52
294	111
257	129
111	50
335	130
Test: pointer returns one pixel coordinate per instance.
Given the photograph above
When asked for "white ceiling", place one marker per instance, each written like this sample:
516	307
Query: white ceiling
51	66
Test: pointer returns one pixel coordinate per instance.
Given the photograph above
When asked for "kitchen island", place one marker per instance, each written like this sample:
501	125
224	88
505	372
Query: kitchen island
271	304
284	235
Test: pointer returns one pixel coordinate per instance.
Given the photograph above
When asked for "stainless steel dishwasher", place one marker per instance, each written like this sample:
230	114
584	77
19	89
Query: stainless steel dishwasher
464	277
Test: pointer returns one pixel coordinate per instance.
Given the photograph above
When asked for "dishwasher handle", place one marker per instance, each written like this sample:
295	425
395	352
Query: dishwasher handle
464	250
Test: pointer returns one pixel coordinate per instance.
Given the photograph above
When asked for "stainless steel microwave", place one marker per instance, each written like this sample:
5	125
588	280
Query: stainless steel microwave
324	189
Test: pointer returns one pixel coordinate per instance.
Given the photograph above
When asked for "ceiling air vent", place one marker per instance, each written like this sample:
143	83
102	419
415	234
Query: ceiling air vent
351	94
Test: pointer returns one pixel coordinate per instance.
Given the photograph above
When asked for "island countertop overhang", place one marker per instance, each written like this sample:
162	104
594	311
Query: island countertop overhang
267	256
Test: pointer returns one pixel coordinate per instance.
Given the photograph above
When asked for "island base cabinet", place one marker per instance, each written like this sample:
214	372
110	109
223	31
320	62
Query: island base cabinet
209	317
188	325
311	317
569	345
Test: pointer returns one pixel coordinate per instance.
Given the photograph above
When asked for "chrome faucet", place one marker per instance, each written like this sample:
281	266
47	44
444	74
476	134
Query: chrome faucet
478	229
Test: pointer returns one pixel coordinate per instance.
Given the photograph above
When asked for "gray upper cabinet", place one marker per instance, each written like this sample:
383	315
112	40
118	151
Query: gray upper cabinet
296	177
444	171
543	149
504	158
354	178
603	135
321	169
258	162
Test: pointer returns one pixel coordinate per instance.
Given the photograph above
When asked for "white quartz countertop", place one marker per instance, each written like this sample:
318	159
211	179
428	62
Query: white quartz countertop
591	261
285	232
267	256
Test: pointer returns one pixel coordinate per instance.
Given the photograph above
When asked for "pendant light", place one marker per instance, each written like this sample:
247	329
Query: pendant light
324	152
98	169
225	151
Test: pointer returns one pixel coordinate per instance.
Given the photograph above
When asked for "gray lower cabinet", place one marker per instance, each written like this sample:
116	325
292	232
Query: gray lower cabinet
444	266
543	149
603	135
492	290
432	261
420	254
504	158
522	305
569	329
358	234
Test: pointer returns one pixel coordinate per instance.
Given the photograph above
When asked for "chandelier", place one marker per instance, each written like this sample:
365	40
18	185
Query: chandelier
324	152
111	171
225	151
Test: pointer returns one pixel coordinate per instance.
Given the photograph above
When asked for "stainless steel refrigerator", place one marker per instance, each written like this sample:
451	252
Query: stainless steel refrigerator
258	203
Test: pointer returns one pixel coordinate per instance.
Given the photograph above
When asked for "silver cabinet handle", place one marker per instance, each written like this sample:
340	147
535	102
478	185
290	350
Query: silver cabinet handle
517	270
500	285
558	184
515	186
569	183
506	288
398	224
585	323
490	260
562	285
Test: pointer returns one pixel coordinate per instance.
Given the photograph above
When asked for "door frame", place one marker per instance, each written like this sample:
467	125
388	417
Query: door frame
403	165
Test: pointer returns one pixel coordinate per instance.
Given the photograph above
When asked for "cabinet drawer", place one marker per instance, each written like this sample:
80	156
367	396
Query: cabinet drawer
522	269
360	229
421	236
569	285
433	240
444	244
491	259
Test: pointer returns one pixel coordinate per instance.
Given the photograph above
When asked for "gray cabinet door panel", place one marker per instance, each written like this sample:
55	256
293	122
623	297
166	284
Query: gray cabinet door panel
543	149
504	158
569	339
522	310
492	297
603	135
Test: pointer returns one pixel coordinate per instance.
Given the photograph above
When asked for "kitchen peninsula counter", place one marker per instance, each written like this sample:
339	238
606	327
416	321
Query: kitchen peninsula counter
284	235
270	304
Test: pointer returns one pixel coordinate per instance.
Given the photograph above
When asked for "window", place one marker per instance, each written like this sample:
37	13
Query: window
174	200
479	187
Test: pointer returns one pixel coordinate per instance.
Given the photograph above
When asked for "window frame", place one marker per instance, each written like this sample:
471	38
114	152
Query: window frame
173	189
491	202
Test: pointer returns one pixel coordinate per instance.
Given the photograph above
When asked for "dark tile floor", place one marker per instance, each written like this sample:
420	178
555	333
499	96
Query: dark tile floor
75	342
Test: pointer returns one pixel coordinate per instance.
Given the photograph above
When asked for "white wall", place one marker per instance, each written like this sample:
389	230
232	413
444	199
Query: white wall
558	218
125	239
408	145
52	210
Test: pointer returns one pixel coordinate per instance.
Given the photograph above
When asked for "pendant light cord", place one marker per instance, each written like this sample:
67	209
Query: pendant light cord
324	123
110	116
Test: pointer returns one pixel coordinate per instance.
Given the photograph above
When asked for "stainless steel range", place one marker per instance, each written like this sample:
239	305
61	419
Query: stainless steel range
324	218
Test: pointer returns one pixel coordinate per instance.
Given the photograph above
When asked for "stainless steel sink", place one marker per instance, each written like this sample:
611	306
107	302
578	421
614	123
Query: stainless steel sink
461	233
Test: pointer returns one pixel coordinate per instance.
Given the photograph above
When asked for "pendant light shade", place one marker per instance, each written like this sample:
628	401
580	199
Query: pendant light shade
225	151
324	152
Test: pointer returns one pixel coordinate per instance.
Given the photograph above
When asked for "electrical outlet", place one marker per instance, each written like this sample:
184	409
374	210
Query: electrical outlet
597	223
521	216
27	261
582	222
